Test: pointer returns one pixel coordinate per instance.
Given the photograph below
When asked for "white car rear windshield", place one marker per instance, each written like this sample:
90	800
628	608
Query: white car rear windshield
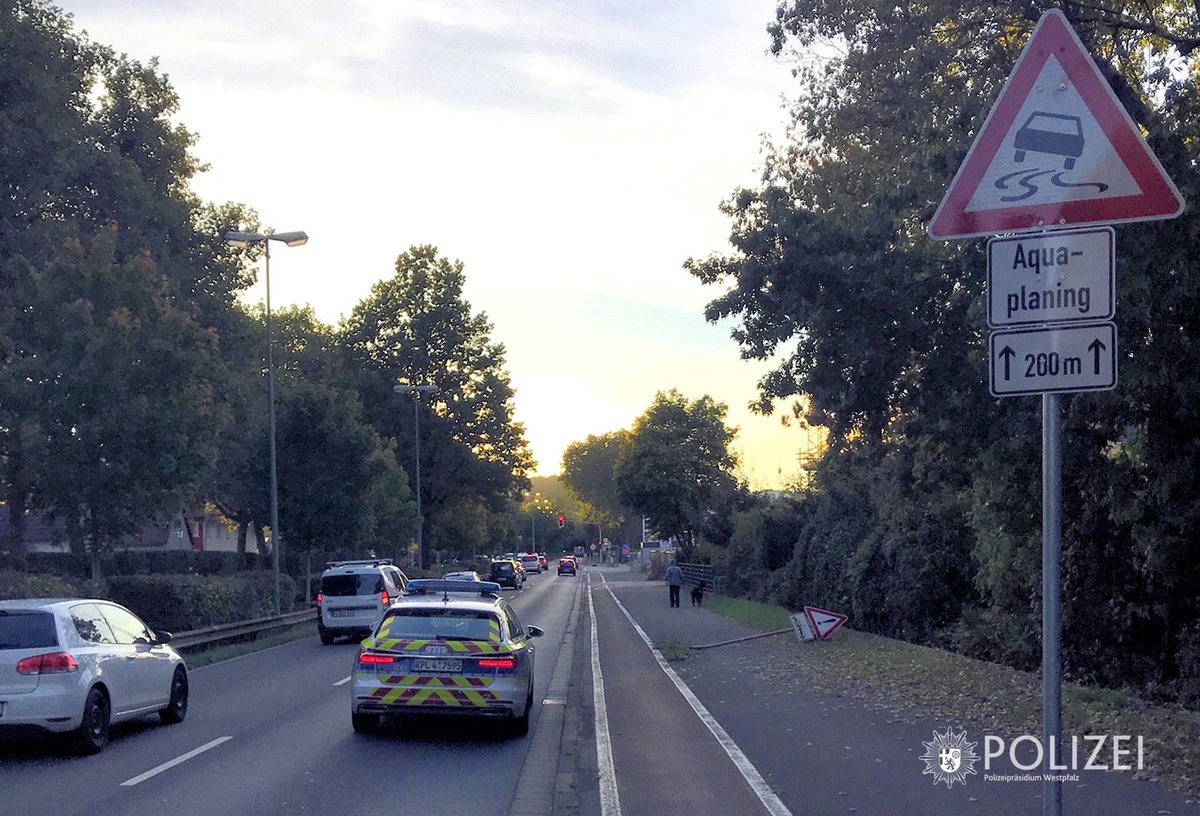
27	629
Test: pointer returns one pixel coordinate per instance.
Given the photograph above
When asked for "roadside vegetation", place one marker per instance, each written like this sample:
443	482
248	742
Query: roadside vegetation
132	377
905	678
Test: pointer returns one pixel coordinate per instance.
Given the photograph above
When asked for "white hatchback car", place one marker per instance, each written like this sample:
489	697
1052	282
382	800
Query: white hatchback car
74	666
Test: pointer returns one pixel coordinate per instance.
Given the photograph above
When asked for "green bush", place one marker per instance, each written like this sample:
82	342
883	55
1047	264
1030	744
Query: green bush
26	585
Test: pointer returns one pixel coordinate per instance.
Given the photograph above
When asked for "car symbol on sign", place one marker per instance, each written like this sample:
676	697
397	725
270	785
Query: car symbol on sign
1054	133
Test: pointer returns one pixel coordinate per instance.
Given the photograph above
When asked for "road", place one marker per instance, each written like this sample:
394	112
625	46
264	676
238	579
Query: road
616	731
269	734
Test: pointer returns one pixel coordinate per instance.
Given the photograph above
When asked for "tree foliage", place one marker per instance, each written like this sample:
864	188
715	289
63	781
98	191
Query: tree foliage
926	517
133	381
416	328
589	469
115	409
673	462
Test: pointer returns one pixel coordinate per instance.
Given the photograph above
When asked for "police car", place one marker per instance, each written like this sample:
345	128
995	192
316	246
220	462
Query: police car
451	648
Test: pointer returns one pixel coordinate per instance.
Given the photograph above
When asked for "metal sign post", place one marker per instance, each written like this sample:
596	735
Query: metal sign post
1051	597
1056	114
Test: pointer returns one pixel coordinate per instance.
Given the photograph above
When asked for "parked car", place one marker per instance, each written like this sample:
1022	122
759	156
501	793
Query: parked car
354	596
76	666
451	648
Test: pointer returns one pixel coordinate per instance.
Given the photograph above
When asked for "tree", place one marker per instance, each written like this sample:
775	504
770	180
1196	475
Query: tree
589	475
340	489
113	387
416	328
675	458
87	142
833	276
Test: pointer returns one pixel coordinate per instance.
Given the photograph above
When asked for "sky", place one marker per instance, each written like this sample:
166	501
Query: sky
572	154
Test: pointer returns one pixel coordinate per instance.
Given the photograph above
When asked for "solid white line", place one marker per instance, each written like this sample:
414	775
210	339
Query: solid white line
610	799
762	790
167	765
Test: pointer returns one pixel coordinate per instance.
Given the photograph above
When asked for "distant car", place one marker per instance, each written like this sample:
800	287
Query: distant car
566	566
544	561
531	562
449	648
462	575
506	573
74	667
354	595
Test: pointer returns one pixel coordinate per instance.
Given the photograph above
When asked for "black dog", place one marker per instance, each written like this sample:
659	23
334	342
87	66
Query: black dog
698	593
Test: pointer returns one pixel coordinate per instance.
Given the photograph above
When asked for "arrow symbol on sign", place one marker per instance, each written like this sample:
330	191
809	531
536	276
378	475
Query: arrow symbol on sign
1007	354
1095	348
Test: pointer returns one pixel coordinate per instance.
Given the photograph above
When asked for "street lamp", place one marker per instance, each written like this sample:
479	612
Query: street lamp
537	504
417	391
292	239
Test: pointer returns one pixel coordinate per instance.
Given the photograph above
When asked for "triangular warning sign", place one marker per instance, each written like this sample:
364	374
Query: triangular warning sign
823	623
1057	149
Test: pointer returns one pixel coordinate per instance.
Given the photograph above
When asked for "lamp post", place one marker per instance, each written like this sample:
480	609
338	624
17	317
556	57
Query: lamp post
417	391
243	239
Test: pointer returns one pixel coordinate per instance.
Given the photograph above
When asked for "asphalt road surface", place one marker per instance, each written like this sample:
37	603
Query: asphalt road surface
616	729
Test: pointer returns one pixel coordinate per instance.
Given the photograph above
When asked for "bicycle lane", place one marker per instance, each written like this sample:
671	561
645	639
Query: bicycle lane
665	756
827	754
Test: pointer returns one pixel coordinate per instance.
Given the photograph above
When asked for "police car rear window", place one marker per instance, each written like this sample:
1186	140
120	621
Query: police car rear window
27	630
363	583
439	624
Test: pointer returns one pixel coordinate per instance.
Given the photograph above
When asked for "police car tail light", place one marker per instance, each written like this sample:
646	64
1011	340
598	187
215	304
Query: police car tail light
375	659
383	596
497	662
50	663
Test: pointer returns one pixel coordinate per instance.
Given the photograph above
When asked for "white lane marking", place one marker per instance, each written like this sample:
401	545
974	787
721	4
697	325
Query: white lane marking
762	790
610	799
344	680
167	765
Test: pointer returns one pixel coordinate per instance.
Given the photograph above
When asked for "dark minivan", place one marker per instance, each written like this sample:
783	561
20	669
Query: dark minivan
505	573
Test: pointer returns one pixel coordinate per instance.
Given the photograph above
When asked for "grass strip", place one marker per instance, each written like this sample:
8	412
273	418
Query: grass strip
906	679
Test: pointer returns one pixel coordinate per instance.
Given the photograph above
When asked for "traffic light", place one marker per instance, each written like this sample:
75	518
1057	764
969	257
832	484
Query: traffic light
562	520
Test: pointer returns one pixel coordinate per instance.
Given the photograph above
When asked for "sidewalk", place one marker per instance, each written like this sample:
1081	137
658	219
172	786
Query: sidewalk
826	754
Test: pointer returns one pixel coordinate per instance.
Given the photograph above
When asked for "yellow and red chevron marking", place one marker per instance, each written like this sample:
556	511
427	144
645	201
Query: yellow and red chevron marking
433	680
435	697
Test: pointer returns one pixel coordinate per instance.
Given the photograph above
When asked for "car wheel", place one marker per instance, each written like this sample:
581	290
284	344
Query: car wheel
520	725
92	735
364	723
326	637
176	709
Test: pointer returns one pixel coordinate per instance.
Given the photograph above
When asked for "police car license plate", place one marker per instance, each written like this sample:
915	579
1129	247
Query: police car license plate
441	666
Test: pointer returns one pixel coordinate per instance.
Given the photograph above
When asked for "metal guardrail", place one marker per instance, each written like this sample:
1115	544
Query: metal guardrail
211	635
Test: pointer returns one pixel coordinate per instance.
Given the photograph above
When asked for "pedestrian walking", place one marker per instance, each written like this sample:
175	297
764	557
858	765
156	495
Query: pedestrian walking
674	582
